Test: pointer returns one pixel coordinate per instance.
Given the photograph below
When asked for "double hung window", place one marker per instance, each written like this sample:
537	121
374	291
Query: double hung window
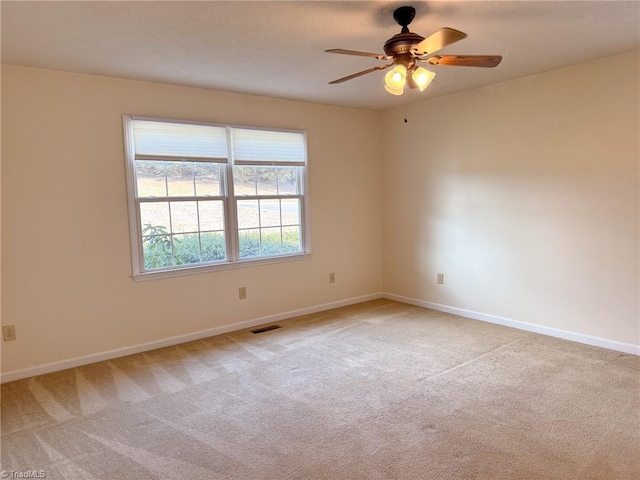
213	196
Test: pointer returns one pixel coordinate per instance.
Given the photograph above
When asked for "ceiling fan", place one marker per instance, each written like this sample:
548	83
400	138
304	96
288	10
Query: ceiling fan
406	49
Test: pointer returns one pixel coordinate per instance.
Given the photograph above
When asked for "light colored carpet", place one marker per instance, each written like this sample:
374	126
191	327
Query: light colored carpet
379	390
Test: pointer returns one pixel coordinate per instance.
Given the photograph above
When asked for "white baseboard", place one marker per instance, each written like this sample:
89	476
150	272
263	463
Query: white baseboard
121	352
529	327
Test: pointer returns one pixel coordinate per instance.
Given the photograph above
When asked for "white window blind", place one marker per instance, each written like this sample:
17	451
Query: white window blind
267	147
164	139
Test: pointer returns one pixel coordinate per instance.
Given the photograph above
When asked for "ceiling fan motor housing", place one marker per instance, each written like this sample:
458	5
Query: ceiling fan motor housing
400	45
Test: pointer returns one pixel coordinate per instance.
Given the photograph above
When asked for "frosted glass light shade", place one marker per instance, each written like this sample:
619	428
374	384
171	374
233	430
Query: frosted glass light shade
394	91
422	77
396	78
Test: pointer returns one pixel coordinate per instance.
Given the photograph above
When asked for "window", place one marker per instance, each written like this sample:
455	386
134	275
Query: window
205	196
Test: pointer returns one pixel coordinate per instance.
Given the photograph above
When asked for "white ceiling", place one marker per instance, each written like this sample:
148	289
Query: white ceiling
276	48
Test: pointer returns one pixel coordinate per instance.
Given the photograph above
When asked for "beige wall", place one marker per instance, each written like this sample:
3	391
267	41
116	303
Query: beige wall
66	261
525	195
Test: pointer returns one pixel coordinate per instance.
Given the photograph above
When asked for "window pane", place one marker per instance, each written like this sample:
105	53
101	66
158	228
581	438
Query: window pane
154	218
207	179
150	179
271	241
288	181
267	181
184	217
211	215
244	180
248	214
269	213
212	246
249	241
290	211
179	139
186	249
157	251
180	179
290	239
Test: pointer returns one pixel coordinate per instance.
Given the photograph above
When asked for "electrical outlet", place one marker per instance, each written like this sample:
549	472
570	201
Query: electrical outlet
8	333
332	277
440	278
242	293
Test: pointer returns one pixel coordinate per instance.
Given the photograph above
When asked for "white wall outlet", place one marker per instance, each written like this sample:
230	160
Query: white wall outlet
332	277
8	333
242	293
440	278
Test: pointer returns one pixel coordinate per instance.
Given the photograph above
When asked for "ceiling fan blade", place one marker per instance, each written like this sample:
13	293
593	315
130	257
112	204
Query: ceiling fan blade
440	39
488	61
364	72
361	54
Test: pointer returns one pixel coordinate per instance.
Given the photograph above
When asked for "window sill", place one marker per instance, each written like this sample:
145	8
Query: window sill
199	269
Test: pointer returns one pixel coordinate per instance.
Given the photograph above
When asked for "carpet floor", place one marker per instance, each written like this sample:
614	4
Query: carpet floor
378	390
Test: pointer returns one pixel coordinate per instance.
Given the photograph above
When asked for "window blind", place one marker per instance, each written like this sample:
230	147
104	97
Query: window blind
153	139
266	147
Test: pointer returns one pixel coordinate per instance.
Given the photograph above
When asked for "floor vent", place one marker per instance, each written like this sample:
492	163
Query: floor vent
266	329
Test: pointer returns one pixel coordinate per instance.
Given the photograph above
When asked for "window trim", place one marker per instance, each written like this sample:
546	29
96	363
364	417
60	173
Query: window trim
230	200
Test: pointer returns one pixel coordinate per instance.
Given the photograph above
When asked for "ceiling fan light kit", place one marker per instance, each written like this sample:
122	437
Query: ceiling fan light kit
396	79
406	49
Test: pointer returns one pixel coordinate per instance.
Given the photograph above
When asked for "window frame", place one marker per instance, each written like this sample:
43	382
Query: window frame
229	202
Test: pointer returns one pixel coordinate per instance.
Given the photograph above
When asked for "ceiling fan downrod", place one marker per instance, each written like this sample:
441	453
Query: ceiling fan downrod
399	46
